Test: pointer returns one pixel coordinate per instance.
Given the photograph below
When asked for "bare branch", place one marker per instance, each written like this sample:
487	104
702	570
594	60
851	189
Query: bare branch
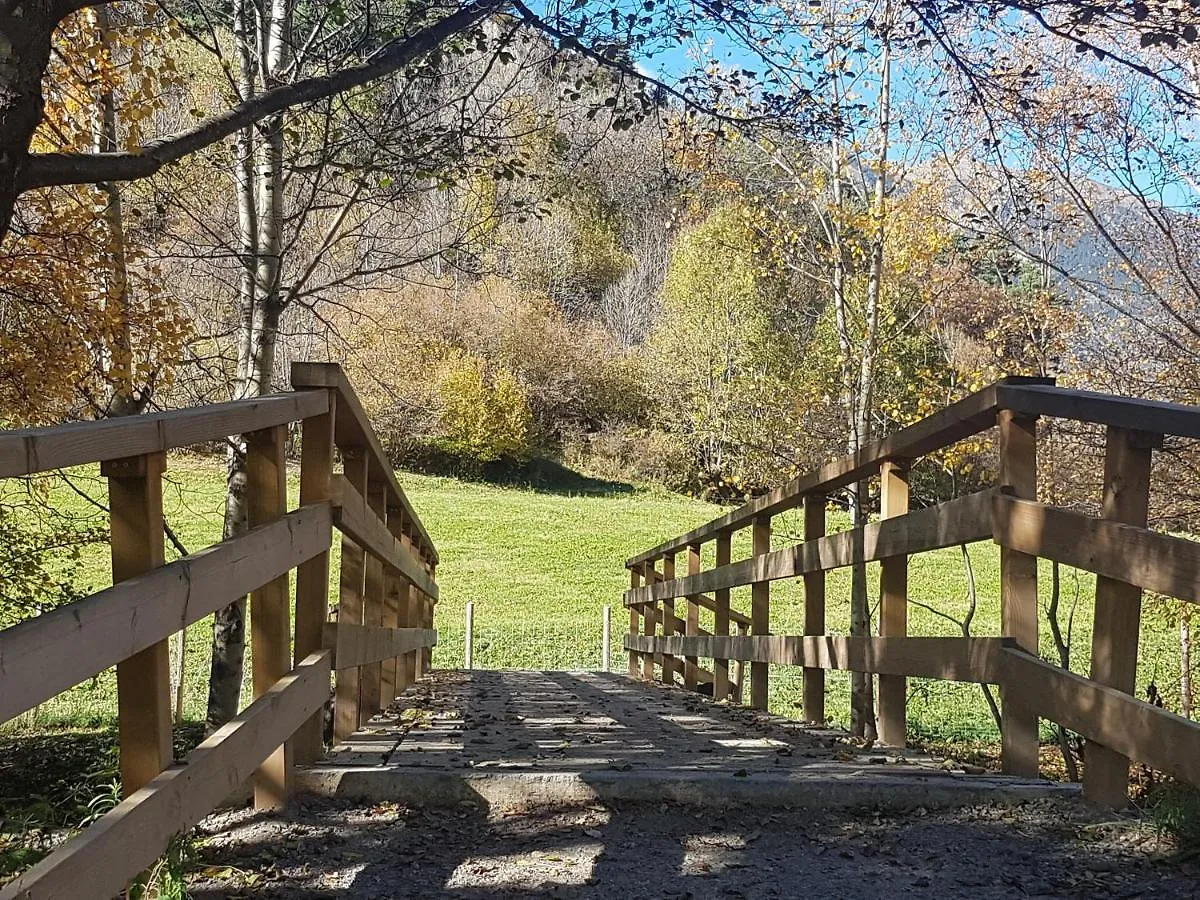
44	170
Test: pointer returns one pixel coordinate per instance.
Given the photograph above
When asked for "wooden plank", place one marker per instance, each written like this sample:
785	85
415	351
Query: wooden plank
99	862
30	450
1124	724
354	430
394	585
407	664
1087	406
649	620
635	662
721	616
962	521
46	655
270	613
893	606
692	626
351	590
430	602
960	420
353	516
1118	613
760	612
144	679
670	621
814	610
312	576
946	658
1155	562
371	691
361	645
1018	595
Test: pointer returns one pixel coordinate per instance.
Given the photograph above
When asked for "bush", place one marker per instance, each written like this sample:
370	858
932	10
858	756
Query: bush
483	418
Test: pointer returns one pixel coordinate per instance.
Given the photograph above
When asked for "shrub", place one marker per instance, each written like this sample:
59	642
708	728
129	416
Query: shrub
483	418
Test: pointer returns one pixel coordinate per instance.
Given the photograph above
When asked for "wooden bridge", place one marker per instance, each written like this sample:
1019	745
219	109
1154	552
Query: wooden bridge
378	643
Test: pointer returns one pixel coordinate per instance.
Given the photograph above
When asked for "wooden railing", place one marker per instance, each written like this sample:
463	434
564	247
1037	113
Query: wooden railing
1126	556
379	643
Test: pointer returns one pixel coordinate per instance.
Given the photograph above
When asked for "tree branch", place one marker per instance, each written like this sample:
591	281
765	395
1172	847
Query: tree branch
47	169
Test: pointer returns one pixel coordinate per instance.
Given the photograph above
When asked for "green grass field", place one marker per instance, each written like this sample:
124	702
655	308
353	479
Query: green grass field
540	567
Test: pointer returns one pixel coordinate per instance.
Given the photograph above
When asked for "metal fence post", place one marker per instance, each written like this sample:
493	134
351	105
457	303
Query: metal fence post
606	653
469	642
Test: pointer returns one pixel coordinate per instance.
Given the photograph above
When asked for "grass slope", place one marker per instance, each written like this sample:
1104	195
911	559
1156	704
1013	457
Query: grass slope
540	566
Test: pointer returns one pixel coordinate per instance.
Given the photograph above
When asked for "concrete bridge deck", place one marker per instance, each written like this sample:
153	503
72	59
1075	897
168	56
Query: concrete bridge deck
522	738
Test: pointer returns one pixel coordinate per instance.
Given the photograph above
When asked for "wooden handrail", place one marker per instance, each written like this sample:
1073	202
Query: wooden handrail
103	859
962	521
353	430
1126	556
945	658
31	450
1153	561
128	624
48	654
961	420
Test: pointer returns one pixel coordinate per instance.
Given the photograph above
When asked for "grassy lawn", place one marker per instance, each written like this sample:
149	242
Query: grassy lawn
540	567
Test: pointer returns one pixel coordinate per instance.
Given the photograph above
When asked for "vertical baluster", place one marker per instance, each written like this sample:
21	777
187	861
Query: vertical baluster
143	680
814	609
270	614
760	613
312	576
692	662
721	617
428	607
394	589
635	625
1118	606
408	619
893	605
373	602
670	621
649	617
1018	593
352	586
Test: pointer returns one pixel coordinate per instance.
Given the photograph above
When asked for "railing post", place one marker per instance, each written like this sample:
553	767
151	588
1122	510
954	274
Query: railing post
649	615
893	605
739	668
670	621
760	612
606	640
1118	606
373	602
635	625
1018	594
721	617
352	585
692	663
469	637
814	609
394	596
312	576
408	619
270	614
143	680
427	621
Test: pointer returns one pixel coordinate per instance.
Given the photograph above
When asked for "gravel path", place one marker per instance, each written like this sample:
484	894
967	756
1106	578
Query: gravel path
1045	848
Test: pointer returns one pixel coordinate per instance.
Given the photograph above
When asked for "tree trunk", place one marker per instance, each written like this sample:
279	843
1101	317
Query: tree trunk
25	30
1185	663
260	211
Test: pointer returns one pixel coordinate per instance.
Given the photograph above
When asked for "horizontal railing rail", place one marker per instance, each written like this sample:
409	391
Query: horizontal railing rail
1126	556
378	643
